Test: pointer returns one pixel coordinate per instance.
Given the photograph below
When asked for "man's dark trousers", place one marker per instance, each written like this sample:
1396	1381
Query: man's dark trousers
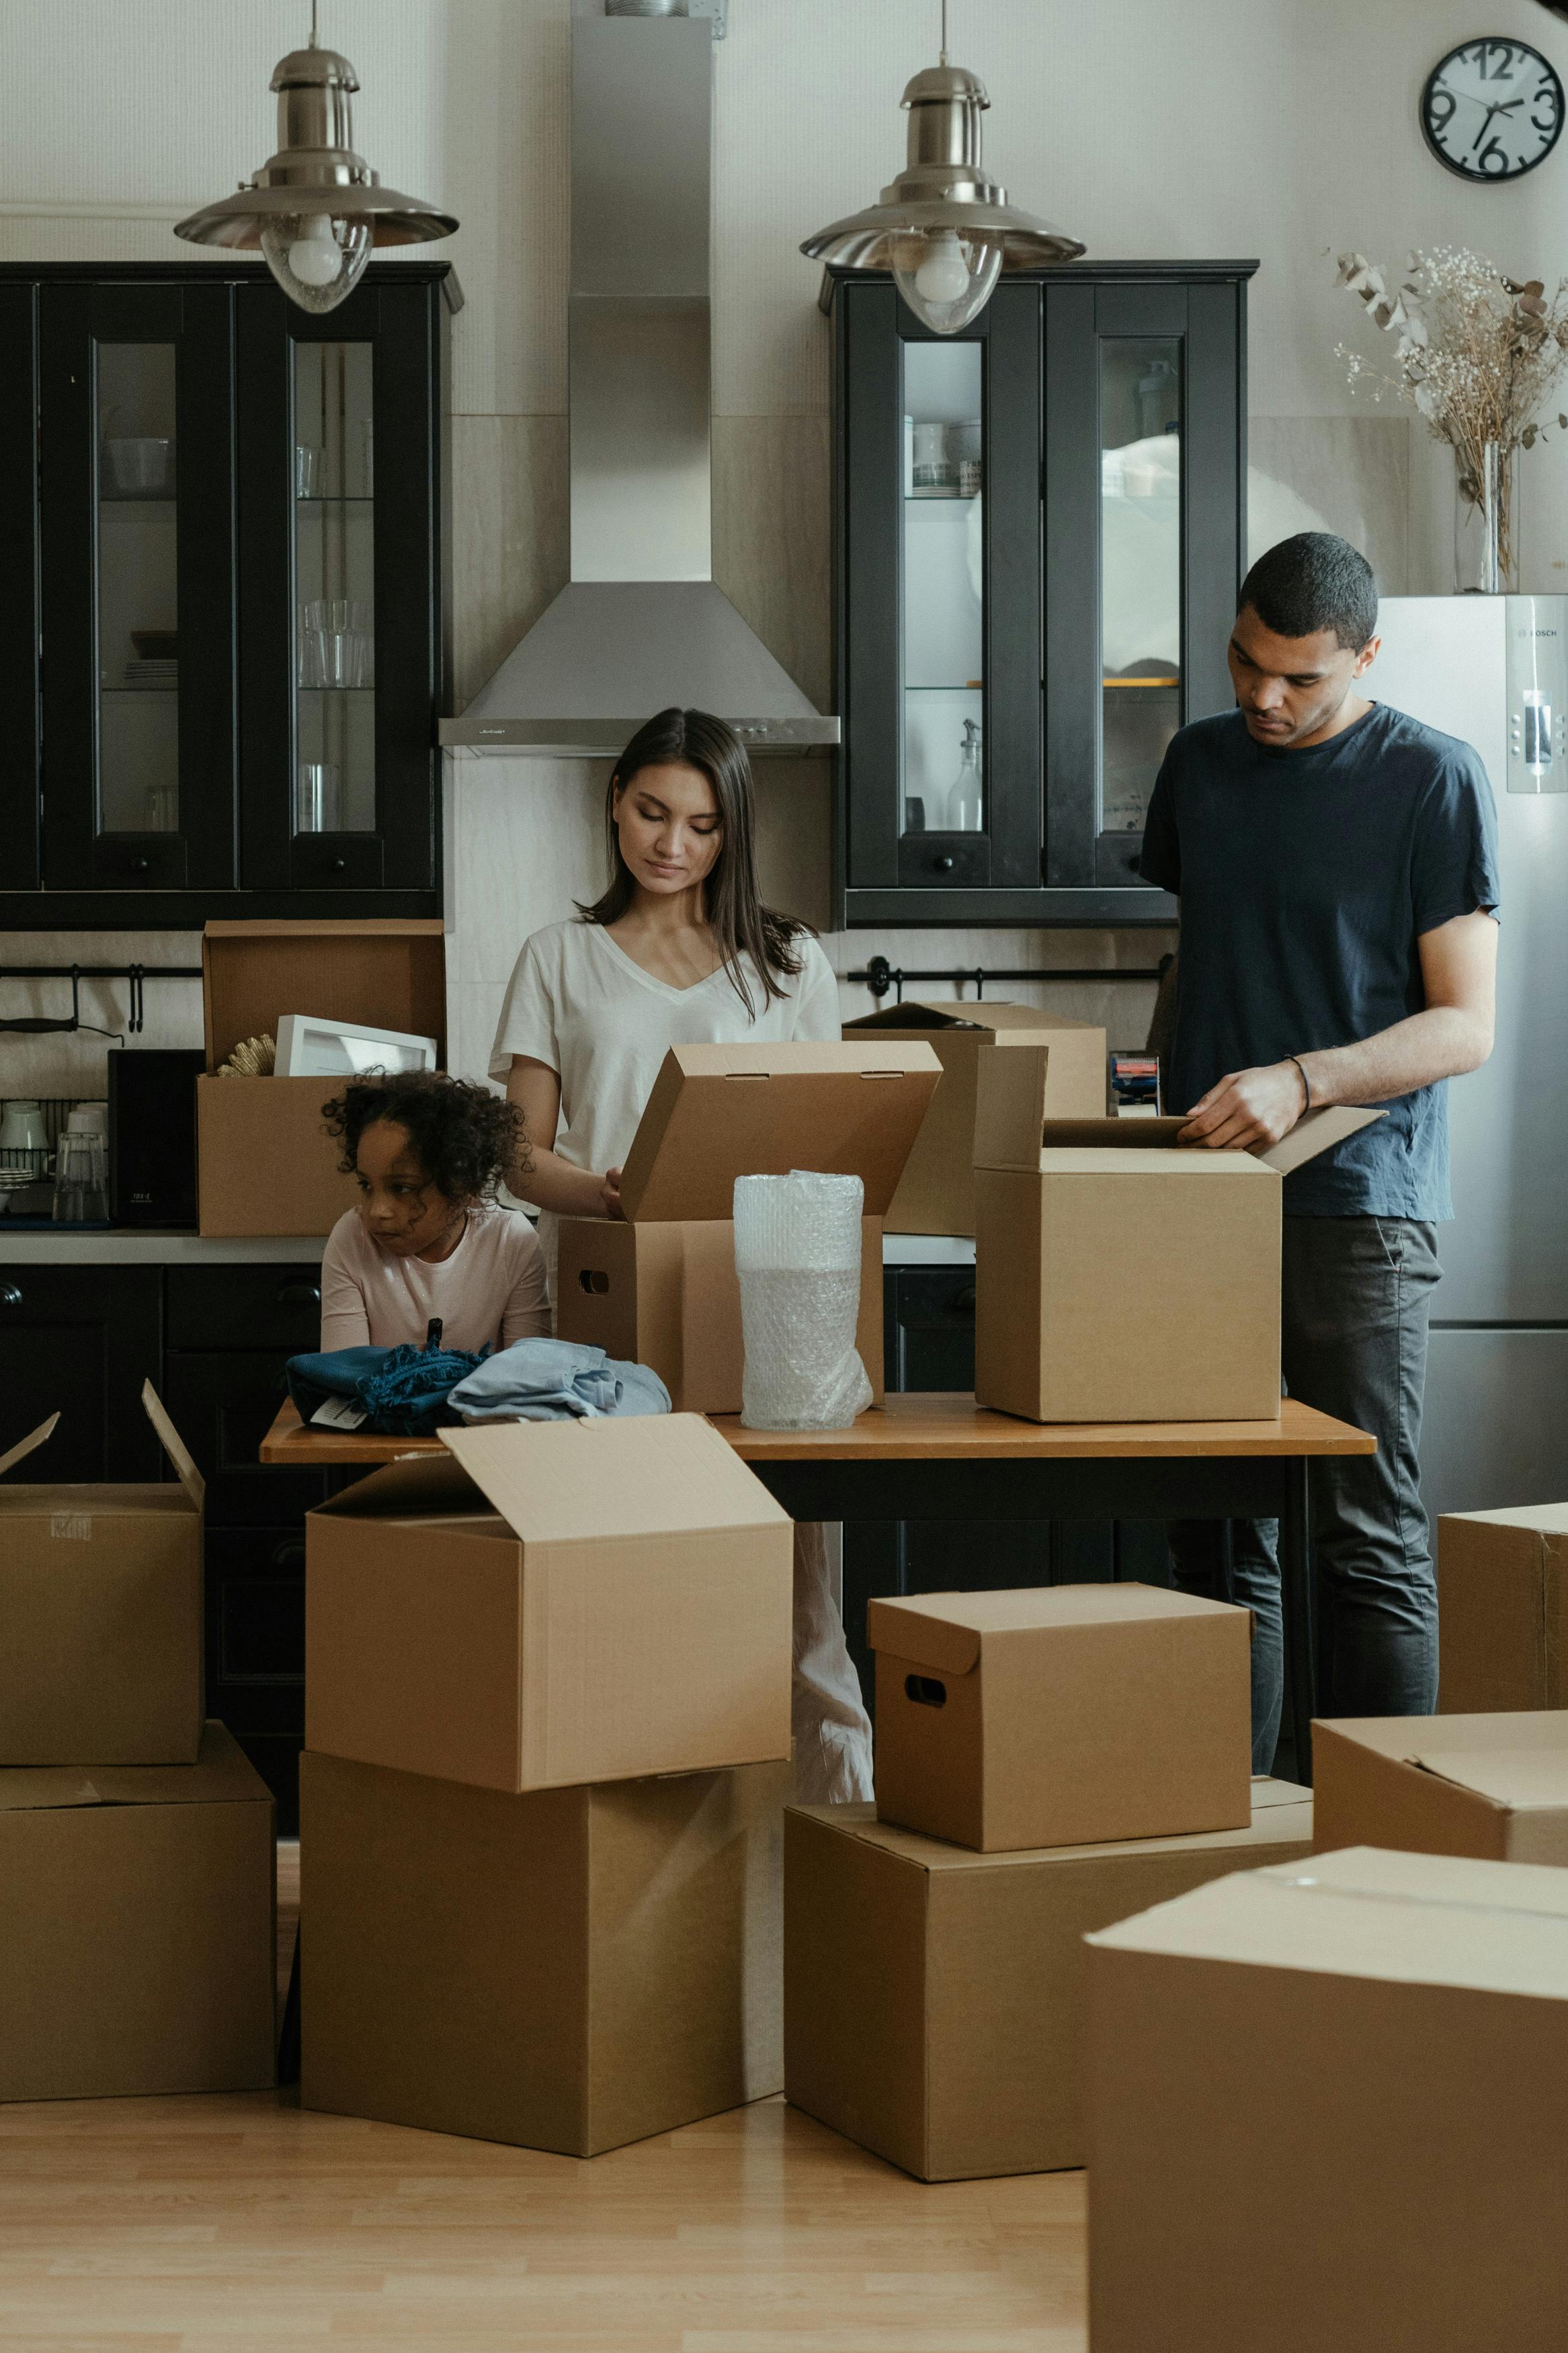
1356	1300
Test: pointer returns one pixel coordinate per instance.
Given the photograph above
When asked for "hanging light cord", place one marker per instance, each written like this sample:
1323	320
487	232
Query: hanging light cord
944	30
315	4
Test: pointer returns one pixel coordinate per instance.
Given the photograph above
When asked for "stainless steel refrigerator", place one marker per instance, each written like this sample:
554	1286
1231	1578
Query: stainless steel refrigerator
1494	670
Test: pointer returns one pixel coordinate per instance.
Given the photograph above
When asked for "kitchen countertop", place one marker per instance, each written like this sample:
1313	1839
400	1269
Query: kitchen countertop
131	1246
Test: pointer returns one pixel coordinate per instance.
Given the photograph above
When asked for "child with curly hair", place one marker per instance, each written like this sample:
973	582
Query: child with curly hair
429	1240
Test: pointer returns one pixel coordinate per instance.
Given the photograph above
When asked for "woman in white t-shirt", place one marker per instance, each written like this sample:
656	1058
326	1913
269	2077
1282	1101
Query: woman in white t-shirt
679	951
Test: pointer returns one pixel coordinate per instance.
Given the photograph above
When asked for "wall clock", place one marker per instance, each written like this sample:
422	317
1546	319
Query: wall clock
1492	109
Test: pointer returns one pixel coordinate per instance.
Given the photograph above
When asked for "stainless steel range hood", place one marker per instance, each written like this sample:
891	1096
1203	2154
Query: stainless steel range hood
641	624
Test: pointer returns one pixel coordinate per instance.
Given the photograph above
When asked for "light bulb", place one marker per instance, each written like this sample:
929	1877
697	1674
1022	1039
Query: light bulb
943	275
313	257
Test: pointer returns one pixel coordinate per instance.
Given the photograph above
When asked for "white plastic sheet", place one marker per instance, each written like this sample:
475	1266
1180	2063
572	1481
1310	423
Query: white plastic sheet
797	1254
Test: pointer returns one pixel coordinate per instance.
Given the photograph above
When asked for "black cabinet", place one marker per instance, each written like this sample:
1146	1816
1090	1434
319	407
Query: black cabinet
1040	531
223	627
80	1341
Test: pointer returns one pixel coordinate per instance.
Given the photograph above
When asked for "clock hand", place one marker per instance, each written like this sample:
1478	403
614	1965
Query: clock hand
1485	128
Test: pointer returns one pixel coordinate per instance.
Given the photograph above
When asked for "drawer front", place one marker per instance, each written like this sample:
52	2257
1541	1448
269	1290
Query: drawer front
954	861
249	1307
930	1332
255	1630
224	1407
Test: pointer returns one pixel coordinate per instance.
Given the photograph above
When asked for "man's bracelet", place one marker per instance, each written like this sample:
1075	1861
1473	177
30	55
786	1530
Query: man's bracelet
1306	1083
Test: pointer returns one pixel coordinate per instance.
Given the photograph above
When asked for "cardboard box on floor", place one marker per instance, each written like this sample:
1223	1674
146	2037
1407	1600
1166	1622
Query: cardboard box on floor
933	1998
139	1948
661	1288
1502	1606
1118	1277
570	1969
935	1194
1059	1714
265	1164
550	1603
1326	2109
1492	1785
100	1613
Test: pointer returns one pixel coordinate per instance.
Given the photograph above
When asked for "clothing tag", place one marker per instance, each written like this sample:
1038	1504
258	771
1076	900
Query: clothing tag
75	1527
339	1413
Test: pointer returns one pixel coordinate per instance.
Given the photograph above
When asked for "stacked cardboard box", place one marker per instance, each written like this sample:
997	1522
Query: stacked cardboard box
548	1715
1047	1761
136	1844
1502	1602
1491	1786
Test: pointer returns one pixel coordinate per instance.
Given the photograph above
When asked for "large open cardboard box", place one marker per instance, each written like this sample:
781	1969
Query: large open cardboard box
265	1164
1502	1607
101	1614
1494	1786
1325	2108
1059	1714
934	1998
137	1951
935	1194
1118	1276
571	1969
551	1603
661	1288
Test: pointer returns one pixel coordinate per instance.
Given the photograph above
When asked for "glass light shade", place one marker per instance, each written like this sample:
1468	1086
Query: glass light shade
317	258
945	275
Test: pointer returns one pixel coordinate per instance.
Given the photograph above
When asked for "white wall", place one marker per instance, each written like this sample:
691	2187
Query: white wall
1284	128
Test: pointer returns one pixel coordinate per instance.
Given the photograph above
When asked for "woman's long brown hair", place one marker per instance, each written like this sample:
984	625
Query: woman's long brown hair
739	923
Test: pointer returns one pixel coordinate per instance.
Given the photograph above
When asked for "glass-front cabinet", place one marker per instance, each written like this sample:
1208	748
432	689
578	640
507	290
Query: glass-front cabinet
222	634
1040	531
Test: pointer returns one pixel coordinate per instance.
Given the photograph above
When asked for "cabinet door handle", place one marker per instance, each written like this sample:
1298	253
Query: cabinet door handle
139	865
946	863
289	1555
298	1294
340	866
963	1302
9	1295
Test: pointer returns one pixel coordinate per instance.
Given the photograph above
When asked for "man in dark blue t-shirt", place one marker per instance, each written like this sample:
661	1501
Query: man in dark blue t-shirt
1337	867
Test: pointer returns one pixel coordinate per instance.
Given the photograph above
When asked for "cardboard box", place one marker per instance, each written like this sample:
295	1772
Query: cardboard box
570	1970
550	1603
265	1164
661	1288
1119	1277
138	1947
933	1998
1502	1609
1325	2109
1060	1714
101	1614
1494	1786
936	1192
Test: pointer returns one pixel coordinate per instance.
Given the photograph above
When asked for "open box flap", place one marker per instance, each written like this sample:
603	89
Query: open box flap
1518	1778
29	1445
716	1113
390	973
174	1446
918	1015
606	1479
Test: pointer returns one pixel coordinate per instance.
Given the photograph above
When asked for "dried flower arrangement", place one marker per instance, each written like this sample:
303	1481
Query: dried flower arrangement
1477	355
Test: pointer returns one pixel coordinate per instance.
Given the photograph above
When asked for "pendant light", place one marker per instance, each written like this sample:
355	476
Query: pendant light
315	208
944	230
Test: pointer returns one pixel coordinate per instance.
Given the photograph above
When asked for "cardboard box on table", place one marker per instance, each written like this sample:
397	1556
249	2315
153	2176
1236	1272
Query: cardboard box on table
1502	1607
661	1288
101	1614
1119	1277
935	1194
570	1969
265	1164
1059	1714
551	1603
1325	2109
1492	1785
137	1950
934	1997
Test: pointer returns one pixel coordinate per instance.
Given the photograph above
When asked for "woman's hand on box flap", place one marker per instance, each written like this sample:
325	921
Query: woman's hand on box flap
610	1186
1248	1110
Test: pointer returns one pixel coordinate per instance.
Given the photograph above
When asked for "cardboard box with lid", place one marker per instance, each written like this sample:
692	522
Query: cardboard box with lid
1053	1715
550	1603
139	1948
1118	1276
661	1288
1502	1606
265	1164
935	1194
569	1970
934	1997
1325	2109
100	1613
1492	1785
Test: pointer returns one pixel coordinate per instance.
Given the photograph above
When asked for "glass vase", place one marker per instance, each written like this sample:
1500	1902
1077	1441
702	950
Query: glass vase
1486	520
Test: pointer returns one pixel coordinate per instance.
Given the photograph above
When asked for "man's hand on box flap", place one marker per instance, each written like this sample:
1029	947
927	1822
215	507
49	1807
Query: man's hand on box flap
1248	1110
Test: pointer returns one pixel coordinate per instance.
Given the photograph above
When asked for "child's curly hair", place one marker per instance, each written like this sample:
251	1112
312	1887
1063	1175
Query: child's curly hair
467	1141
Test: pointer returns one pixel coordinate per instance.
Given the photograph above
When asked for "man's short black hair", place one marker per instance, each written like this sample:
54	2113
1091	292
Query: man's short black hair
1315	581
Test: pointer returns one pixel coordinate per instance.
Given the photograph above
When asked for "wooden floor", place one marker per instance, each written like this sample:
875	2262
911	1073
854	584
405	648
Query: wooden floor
244	2225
